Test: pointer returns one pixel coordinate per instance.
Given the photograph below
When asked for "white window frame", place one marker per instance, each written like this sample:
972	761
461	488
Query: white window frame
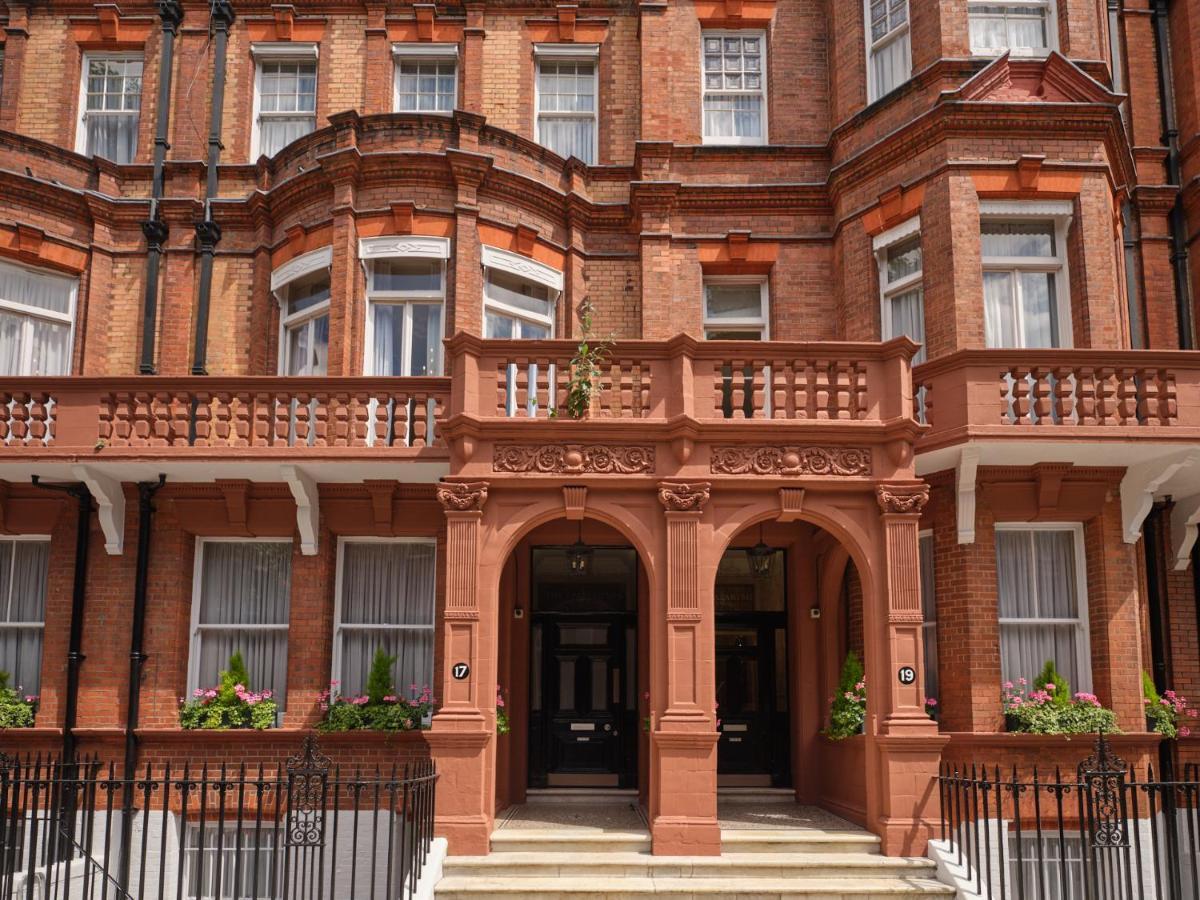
1083	644
339	625
904	32
283	51
530	270
578	53
193	671
435	53
1057	212
883	243
194	867
36	312
760	323
1051	8
735	141
293	269
26	626
928	626
81	141
405	247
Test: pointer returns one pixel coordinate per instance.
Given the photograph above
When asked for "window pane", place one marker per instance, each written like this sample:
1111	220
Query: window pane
408	276
733	115
1038	313
277	132
519	293
50	350
24	568
307	292
568	137
890	65
425	85
412	648
1009	239
113	87
999	306
387	327
907	312
733	301
904	259
426	340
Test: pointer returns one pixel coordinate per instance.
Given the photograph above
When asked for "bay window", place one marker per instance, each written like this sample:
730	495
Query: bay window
240	604
889	57
111	106
426	77
37	311
285	96
24	569
302	288
385	600
565	102
1020	27
735	82
406	295
1040	573
1024	283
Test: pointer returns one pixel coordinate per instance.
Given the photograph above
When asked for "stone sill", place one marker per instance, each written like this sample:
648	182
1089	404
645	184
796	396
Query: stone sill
275	735
37	731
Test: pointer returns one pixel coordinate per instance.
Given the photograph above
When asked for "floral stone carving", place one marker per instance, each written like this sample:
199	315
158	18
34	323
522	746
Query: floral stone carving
461	496
845	461
573	459
902	499
680	497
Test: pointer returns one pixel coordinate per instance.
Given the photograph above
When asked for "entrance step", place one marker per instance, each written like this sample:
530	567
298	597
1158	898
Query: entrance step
594	888
566	842
762	840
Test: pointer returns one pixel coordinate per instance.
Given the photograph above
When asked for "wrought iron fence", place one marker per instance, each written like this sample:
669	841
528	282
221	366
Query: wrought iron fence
1103	832
300	830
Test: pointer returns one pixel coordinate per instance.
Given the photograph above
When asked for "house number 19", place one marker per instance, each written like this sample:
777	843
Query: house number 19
907	674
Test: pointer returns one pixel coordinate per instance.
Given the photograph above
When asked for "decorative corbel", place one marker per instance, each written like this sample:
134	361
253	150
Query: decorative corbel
285	16
29	240
566	22
402	216
235	491
1185	521
304	491
684	497
891	205
791	504
964	486
739	244
383	493
1049	478
1140	484
110	21
1029	170
424	13
525	239
110	506
574	501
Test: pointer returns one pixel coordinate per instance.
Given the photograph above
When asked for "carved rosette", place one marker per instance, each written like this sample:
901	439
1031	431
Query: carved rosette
776	460
573	459
681	497
462	496
902	499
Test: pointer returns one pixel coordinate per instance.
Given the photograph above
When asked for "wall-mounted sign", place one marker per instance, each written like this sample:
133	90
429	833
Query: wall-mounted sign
907	674
460	671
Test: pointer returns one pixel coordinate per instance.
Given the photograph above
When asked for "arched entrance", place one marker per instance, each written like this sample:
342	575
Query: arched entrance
572	663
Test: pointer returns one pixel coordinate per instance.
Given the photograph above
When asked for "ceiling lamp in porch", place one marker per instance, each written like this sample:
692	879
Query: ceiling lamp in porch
579	555
760	557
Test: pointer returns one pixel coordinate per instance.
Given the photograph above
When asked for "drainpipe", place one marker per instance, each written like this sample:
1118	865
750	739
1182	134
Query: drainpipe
154	228
208	233
137	660
1177	221
78	597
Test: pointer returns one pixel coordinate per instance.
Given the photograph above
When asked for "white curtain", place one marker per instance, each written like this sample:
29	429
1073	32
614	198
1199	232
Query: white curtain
388	328
908	318
1039	318
997	28
29	343
929	611
731	115
38	289
388	591
24	568
276	132
999	310
112	135
891	65
568	136
246	585
1037	585
426	339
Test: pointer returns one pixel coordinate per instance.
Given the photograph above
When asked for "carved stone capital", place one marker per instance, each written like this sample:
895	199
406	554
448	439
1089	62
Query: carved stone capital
777	460
683	497
462	496
901	499
573	459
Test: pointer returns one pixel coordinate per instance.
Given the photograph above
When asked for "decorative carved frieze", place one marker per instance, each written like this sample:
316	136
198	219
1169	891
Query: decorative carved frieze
899	499
573	459
777	460
462	496
681	497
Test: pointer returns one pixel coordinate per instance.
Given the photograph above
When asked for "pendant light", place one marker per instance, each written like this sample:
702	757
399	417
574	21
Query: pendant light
579	555
760	556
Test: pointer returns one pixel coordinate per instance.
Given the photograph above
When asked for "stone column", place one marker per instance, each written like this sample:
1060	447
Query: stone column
465	311
904	747
460	739
683	745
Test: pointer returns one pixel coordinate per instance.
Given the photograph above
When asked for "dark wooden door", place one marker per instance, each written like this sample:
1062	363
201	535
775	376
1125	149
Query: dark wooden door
752	698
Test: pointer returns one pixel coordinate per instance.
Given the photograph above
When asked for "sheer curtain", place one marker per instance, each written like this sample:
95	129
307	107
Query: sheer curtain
244	606
388	591
1039	610
35	327
908	318
929	611
276	132
24	568
891	65
567	108
113	135
733	116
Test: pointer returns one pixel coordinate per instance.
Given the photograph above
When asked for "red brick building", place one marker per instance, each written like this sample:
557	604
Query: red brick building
337	309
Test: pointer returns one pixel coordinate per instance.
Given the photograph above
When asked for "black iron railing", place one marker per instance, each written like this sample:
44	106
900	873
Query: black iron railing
1102	832
301	830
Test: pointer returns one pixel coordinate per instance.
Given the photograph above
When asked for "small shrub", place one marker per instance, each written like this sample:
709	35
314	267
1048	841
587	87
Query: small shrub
17	710
502	726
380	707
231	704
1167	714
848	712
1050	708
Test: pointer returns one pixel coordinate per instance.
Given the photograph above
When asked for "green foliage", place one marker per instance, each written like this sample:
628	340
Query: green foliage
1166	714
848	711
231	704
585	365
1060	694
1051	708
379	679
502	724
16	711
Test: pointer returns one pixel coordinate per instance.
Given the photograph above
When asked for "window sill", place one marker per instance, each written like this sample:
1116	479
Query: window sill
274	735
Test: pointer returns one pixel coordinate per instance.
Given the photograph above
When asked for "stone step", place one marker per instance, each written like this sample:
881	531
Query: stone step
540	864
568	840
797	840
598	887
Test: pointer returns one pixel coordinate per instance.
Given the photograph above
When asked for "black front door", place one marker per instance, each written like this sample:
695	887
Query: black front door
751	671
582	684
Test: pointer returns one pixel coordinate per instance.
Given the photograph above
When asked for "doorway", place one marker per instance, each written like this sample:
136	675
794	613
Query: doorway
752	669
583	658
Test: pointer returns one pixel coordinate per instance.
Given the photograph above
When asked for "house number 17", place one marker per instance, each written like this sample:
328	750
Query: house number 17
460	671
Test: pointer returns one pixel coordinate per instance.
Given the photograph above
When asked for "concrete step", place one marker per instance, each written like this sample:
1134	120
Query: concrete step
797	840
568	840
534	864
457	887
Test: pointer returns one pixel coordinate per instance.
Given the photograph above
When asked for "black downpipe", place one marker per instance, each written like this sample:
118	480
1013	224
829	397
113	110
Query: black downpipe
154	228
1177	221
137	660
208	232
78	601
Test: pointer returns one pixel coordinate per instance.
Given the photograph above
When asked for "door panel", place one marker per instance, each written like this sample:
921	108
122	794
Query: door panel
751	665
